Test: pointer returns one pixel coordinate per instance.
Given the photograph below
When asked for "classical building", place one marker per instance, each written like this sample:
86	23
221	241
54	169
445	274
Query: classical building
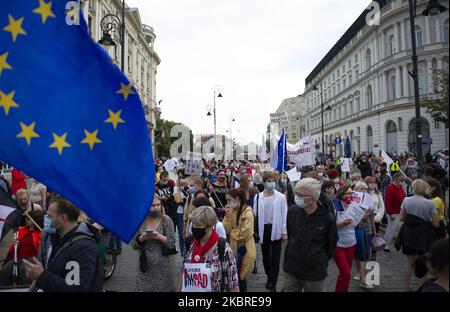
141	60
295	124
367	91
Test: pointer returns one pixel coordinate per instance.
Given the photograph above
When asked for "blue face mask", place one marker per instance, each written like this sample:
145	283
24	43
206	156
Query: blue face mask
192	190
48	226
270	186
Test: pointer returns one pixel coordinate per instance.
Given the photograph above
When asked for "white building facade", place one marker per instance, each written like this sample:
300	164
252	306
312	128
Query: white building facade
293	108
367	92
141	60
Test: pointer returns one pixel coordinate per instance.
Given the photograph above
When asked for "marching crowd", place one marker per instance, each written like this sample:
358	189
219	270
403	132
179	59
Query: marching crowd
221	216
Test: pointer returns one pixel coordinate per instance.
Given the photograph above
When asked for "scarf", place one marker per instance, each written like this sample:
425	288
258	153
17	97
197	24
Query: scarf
200	251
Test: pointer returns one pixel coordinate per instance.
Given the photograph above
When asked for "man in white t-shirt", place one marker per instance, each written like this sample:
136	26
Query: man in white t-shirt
270	209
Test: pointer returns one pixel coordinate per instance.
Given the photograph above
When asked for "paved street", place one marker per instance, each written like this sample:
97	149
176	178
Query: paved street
391	273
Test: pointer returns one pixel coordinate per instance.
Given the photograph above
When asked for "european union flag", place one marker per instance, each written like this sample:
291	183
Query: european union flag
70	118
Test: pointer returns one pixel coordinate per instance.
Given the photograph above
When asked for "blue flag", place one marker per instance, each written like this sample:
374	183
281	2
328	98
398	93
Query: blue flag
278	160
70	118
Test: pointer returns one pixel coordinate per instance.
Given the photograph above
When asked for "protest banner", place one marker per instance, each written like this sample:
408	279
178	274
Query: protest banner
193	164
345	164
358	207
196	277
170	164
302	153
293	175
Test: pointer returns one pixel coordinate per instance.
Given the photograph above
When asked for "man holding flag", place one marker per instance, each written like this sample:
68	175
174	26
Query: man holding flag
71	119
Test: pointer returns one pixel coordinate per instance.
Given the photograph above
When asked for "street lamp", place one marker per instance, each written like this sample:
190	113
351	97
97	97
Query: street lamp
232	119
321	112
217	90
111	22
433	8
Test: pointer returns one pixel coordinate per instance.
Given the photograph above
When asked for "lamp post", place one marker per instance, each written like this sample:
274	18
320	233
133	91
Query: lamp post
217	93
433	8
321	112
111	22
232	119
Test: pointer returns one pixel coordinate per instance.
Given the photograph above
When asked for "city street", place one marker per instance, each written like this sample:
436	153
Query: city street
391	273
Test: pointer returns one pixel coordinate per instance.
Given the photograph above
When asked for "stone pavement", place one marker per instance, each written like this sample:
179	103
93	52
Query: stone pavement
391	273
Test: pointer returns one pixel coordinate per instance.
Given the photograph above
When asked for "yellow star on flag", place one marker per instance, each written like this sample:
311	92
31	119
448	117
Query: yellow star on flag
7	101
125	90
45	10
59	142
28	132
15	27
3	63
91	139
114	118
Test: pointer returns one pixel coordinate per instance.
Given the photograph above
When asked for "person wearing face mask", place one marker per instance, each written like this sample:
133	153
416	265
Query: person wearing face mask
235	181
165	190
346	245
320	169
211	252
378	204
66	241
153	273
364	166
384	179
312	232
270	209
394	197
247	189
239	224
218	191
29	237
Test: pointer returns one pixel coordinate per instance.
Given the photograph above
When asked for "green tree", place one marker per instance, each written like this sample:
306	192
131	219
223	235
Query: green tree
164	141
437	106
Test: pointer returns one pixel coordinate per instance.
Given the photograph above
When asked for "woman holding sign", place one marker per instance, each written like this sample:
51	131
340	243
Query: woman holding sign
346	245
209	264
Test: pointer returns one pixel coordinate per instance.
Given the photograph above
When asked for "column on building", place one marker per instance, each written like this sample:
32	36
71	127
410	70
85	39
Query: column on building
384	86
427	30
375	50
430	76
405	24
403	35
375	87
438	30
405	81
397	35
398	82
439	67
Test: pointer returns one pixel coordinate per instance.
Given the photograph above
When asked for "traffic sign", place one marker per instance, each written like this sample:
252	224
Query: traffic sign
338	140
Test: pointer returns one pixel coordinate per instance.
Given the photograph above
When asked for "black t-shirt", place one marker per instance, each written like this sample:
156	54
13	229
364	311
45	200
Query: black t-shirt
221	192
166	190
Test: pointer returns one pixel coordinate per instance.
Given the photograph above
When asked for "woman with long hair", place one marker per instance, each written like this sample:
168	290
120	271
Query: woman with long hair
156	233
239	224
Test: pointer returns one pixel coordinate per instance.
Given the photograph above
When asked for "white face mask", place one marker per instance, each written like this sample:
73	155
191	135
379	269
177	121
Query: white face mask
300	201
320	174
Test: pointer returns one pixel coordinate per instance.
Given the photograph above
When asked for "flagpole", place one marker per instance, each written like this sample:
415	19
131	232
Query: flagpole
284	147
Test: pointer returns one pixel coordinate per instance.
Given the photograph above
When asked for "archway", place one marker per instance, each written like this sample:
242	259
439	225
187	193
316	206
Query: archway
425	127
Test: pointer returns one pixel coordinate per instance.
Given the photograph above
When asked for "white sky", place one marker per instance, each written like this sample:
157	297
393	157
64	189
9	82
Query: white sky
260	51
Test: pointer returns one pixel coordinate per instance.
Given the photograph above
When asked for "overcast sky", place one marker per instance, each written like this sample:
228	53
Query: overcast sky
260	51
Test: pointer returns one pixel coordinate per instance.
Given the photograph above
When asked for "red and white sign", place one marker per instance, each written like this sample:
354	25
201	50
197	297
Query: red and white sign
196	277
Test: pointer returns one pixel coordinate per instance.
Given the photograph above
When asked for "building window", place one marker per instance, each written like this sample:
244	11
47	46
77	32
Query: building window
356	74
369	97
343	69
393	84
391	45
358	106
419	42
421	78
344	84
445	31
351	107
349	63
368	59
356	58
338	73
349	79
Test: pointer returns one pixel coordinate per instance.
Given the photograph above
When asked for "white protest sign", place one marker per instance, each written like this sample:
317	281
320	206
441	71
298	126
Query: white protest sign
358	207
301	153
196	277
170	164
345	164
193	164
293	175
280	119
385	158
